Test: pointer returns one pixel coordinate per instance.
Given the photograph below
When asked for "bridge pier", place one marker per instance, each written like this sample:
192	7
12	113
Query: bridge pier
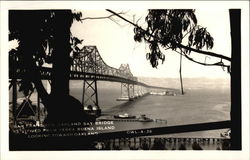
140	91
127	92
136	91
143	90
140	88
131	91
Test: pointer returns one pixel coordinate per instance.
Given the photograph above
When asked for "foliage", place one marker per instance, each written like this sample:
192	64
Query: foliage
167	29
36	30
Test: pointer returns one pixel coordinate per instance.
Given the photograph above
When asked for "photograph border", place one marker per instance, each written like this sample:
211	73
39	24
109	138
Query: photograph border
244	70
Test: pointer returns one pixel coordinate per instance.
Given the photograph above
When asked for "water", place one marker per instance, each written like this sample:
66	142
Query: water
205	101
202	103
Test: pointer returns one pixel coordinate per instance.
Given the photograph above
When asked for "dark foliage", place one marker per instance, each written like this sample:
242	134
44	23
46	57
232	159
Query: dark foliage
36	30
168	28
44	37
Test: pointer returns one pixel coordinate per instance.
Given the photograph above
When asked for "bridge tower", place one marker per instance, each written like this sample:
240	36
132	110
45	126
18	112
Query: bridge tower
90	94
87	62
127	89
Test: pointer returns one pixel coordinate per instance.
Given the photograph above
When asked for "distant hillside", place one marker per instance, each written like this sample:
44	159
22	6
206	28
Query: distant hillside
188	83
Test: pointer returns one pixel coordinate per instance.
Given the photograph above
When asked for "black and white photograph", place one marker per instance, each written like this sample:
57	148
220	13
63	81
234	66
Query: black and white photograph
160	77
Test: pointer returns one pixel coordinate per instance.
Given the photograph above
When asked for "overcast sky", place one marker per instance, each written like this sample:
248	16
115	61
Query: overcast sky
116	44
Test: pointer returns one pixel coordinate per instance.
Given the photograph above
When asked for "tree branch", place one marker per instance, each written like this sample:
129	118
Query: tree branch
91	18
177	44
205	52
206	64
201	63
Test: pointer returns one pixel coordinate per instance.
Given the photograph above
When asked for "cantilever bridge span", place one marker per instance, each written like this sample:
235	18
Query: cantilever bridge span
89	66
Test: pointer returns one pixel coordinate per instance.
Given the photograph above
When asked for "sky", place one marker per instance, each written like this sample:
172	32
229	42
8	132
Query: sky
115	43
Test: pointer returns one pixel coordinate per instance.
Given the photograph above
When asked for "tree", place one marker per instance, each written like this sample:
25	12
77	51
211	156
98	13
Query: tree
35	30
167	28
176	30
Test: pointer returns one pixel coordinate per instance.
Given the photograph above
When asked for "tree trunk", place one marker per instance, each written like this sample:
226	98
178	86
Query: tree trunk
63	107
182	91
61	59
235	23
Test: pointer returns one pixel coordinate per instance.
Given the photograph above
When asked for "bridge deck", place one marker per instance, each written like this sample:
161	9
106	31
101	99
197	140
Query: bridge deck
74	75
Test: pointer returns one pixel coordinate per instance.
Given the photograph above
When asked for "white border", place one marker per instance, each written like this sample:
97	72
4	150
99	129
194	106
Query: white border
143	155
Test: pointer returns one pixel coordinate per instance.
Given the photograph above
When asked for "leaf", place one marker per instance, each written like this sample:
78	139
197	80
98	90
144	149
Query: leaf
192	16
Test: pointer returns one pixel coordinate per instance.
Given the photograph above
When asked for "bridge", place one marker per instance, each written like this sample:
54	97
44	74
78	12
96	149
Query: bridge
89	66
